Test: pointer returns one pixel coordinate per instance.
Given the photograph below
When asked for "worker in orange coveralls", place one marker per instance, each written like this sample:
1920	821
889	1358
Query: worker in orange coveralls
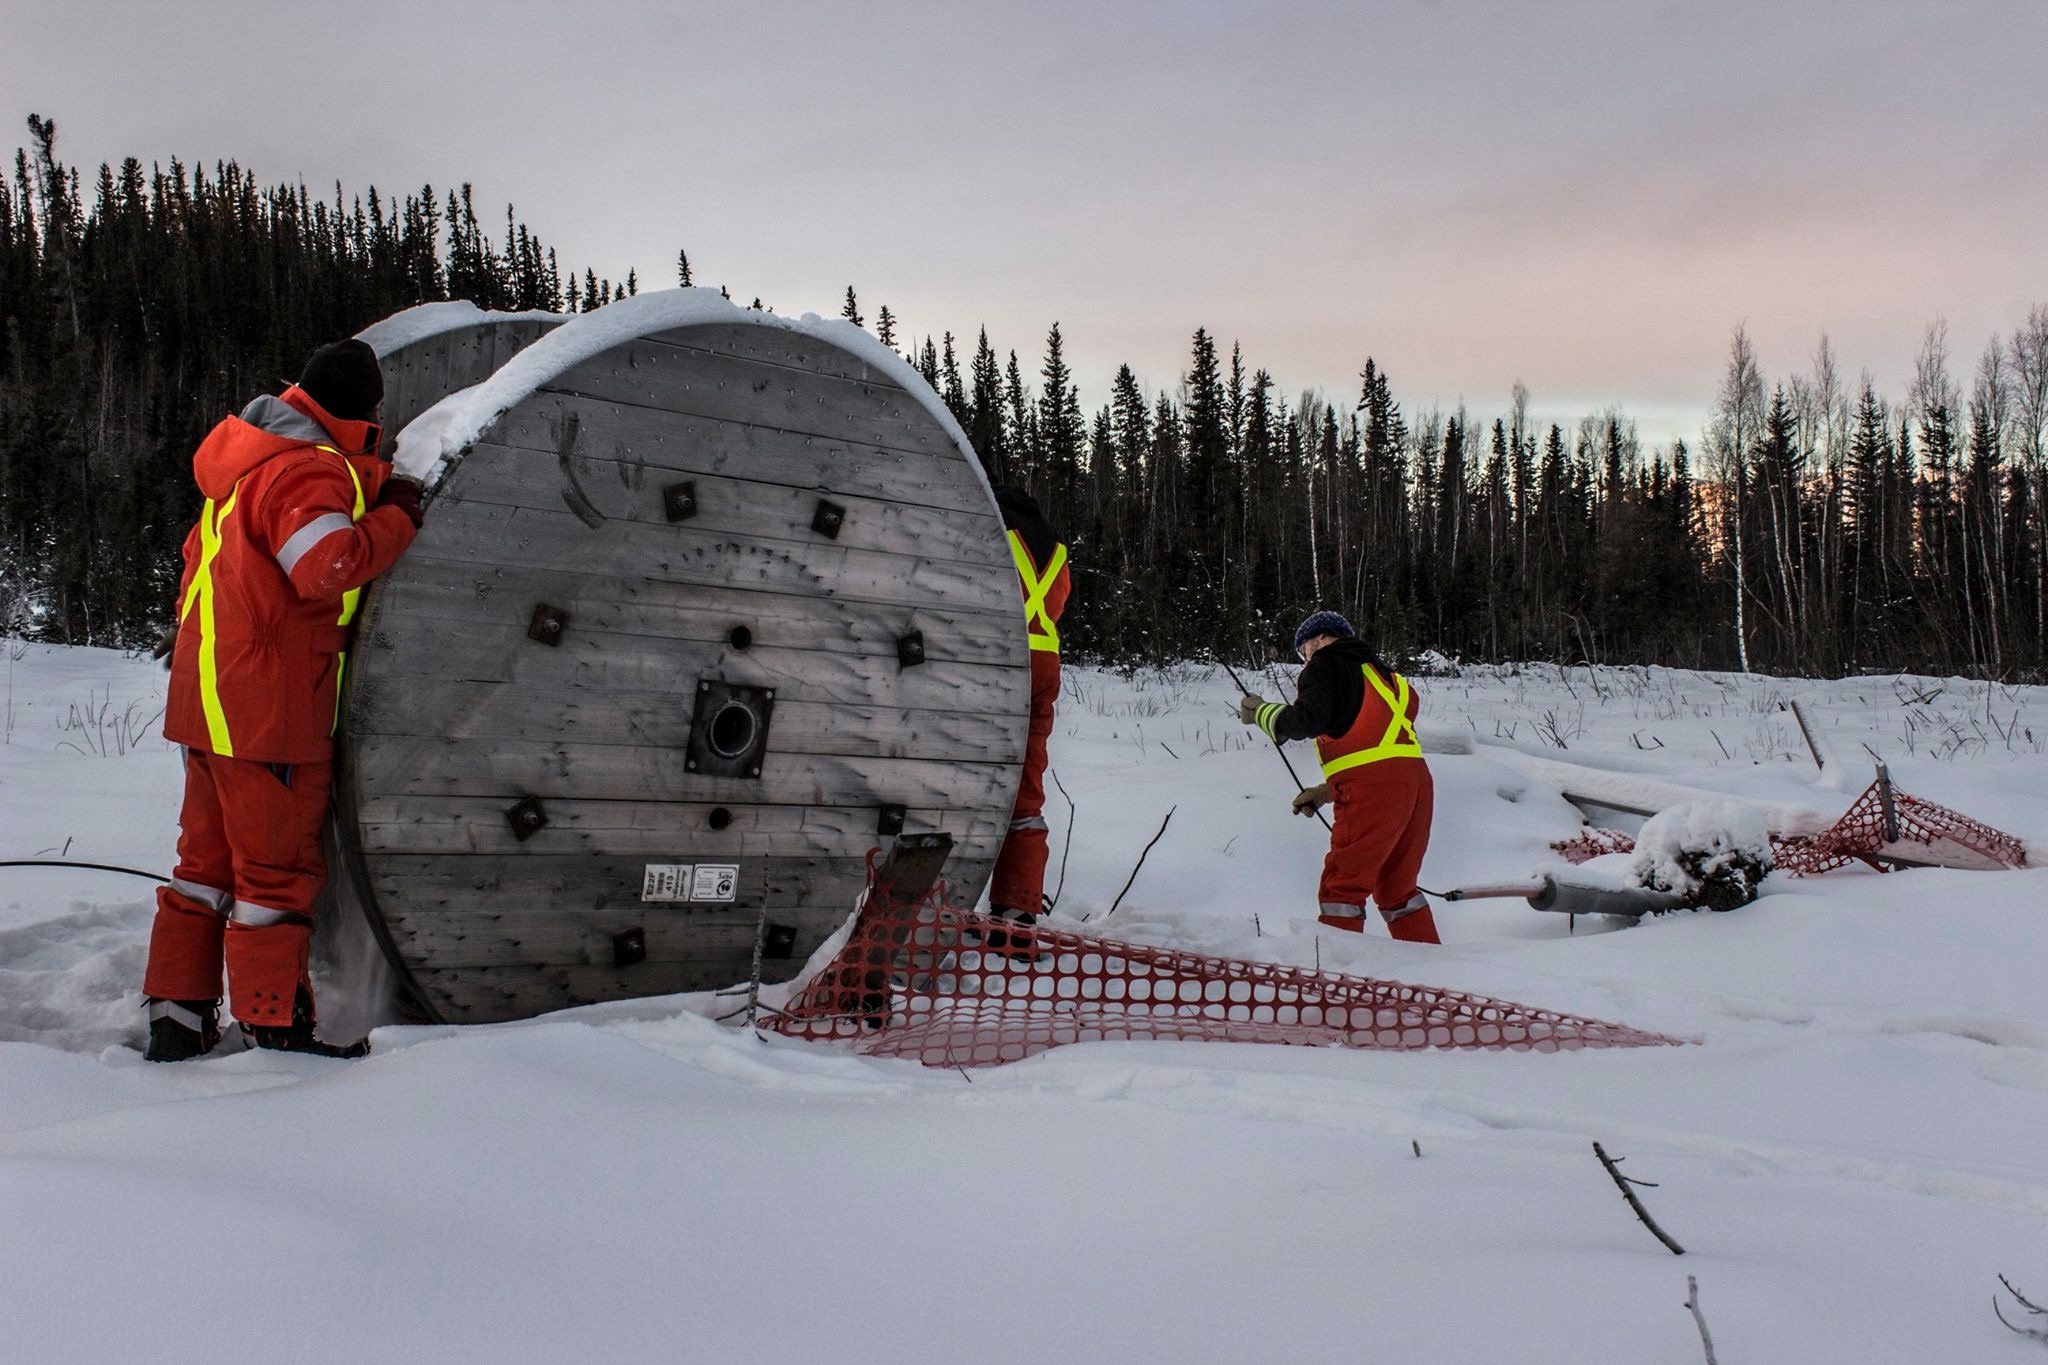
1362	716
1017	891
300	513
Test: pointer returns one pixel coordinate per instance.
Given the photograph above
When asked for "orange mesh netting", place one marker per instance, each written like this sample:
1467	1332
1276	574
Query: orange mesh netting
1884	816
1592	842
924	980
1875	824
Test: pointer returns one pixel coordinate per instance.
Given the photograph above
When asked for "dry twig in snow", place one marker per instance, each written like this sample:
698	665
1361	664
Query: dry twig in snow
1065	848
1128	881
1692	1301
1622	1183
2033	1310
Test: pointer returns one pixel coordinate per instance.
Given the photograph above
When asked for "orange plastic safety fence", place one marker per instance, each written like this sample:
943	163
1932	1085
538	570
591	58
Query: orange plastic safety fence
1865	832
1868	827
949	987
1592	842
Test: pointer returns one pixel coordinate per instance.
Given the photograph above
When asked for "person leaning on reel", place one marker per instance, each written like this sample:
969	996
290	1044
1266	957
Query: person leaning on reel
1361	714
1017	886
300	513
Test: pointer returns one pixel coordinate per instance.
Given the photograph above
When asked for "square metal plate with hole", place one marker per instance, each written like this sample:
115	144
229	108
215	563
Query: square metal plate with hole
547	625
729	729
828	518
527	818
679	500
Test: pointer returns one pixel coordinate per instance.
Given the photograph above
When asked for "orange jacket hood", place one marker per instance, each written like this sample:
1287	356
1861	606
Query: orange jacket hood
267	428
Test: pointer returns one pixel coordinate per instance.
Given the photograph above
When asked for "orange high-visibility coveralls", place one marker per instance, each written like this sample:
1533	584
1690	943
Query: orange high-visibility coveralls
1019	880
289	535
1362	716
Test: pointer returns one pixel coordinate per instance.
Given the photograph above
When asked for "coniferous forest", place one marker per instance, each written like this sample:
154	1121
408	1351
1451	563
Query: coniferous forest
1819	527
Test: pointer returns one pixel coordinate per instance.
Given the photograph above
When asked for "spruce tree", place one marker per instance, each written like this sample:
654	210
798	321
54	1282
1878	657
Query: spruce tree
1208	440
950	391
1383	436
1130	428
1020	435
1062	432
851	312
1870	457
985	423
1099	483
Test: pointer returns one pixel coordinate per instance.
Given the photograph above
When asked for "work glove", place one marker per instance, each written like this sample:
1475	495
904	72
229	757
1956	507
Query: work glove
1309	800
402	493
1248	709
165	644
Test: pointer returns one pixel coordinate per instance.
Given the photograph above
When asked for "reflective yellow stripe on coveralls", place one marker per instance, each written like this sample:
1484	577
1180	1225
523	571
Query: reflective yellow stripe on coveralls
200	594
1399	741
1044	634
349	598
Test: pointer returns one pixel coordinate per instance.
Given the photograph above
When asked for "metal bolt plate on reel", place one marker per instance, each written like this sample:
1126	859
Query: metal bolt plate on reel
729	729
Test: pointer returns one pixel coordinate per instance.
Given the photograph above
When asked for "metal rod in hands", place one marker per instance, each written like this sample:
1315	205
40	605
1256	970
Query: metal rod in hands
1154	598
1276	743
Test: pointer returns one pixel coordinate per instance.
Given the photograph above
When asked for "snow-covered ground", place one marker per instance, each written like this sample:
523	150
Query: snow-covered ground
1853	1149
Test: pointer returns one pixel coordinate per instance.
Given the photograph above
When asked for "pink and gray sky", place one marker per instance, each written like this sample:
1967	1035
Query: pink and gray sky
1583	195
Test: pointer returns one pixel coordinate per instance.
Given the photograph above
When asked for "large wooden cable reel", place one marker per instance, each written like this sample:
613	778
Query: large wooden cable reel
696	622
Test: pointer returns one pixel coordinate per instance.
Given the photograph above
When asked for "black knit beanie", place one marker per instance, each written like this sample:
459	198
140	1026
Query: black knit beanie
1022	514
343	378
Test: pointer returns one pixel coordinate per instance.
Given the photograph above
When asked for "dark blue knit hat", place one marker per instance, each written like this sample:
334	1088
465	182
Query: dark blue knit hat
1321	623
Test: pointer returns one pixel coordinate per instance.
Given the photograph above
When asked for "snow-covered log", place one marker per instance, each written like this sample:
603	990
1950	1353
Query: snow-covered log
708	603
1636	794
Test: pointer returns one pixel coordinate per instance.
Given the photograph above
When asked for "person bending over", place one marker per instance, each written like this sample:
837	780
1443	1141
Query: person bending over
1361	714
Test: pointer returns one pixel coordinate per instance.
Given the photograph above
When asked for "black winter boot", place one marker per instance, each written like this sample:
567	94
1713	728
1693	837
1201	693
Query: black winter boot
299	1036
180	1030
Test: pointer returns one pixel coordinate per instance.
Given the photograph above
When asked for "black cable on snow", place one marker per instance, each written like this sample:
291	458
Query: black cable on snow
95	867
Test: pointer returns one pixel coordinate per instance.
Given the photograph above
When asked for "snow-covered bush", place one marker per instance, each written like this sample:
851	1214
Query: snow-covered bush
1429	663
1713	853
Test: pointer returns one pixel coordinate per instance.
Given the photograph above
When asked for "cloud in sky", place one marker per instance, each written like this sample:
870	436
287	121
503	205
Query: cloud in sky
1584	195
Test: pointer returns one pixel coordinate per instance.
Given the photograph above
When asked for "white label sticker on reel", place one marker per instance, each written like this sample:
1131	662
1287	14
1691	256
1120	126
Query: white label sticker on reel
715	882
666	882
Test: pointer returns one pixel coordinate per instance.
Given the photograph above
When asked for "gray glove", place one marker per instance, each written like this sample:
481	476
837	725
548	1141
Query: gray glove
1248	709
1312	799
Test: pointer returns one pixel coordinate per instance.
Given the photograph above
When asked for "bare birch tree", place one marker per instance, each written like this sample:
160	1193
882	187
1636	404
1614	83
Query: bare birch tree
1738	419
1983	489
2030	416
